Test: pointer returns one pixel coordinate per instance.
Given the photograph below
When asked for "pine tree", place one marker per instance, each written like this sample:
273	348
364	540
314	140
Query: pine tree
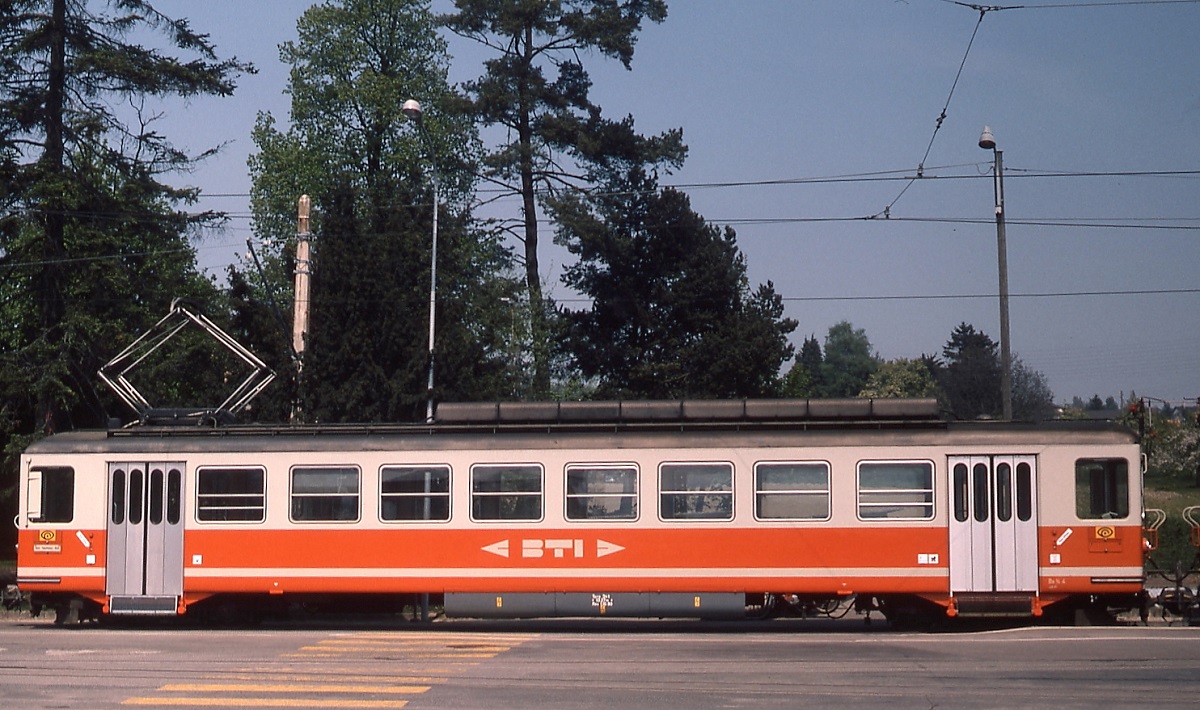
548	118
849	361
671	314
94	244
971	378
101	247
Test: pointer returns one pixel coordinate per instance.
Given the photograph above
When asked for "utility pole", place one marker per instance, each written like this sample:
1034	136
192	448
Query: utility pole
988	142
301	300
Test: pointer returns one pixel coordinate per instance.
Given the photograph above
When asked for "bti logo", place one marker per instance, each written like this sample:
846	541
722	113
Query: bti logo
551	548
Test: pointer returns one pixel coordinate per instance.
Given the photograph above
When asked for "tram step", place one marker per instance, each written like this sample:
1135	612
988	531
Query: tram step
997	604
143	605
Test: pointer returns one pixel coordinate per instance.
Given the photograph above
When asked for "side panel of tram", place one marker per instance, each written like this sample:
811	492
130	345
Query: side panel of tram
989	529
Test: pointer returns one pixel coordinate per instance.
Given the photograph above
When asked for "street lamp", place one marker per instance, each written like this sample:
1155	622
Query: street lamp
988	142
412	109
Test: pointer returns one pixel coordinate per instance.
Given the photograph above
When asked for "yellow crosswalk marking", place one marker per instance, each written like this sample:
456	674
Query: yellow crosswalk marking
326	677
452	652
290	688
266	702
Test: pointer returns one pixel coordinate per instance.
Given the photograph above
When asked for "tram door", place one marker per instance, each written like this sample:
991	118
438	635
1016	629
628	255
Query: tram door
993	524
145	537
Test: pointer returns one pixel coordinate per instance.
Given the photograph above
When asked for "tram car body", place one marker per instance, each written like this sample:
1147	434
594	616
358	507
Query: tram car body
591	508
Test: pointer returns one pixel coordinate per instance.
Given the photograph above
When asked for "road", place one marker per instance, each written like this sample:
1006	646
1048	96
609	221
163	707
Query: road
665	665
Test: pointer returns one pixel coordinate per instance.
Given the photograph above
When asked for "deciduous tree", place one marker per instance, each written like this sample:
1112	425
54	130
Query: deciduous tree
370	172
902	377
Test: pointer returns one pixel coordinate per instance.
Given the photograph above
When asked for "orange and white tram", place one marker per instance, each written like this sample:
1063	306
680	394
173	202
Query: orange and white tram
692	508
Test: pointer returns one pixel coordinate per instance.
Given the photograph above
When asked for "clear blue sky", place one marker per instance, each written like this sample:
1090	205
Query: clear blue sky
770	90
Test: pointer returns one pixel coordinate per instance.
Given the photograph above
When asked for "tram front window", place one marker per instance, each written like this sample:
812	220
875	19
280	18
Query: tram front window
1102	489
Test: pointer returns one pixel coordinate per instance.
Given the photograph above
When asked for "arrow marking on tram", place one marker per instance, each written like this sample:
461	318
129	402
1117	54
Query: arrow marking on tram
497	548
604	549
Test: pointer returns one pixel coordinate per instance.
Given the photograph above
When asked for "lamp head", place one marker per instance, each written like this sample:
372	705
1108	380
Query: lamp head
986	140
412	109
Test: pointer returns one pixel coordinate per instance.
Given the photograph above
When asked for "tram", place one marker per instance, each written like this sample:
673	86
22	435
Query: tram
647	508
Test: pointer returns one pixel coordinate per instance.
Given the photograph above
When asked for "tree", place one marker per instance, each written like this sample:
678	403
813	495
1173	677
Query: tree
902	377
971	378
671	313
94	244
804	377
1033	400
547	117
369	171
848	362
93	184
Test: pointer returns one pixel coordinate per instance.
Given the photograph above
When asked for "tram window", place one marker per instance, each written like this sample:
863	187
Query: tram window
982	494
696	491
156	497
1024	492
51	494
895	490
791	491
231	495
324	493
961	513
602	492
506	492
414	493
1101	488
174	495
1004	493
136	497
118	497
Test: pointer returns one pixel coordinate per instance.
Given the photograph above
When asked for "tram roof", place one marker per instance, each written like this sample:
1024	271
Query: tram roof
609	423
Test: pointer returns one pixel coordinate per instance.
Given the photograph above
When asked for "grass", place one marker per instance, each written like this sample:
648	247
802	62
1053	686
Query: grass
1174	541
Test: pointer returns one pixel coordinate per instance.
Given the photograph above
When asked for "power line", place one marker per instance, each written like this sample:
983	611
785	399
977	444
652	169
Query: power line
1062	5
877	176
1119	223
941	117
969	296
992	296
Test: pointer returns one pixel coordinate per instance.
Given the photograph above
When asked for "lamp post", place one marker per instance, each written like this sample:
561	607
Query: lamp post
412	109
988	142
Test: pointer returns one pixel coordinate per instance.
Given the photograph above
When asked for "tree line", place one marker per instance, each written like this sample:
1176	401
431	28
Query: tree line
96	241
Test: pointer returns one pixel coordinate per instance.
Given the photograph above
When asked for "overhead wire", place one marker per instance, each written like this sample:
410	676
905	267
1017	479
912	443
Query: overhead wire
887	211
1063	5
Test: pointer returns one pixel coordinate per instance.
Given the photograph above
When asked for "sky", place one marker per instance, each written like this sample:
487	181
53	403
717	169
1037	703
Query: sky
808	124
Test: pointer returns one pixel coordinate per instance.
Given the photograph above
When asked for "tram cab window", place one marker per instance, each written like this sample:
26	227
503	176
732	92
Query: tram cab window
696	491
1101	489
895	490
325	493
51	494
506	492
602	492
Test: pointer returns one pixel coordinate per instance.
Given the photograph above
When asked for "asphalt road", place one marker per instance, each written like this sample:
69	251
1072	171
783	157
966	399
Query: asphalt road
595	664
